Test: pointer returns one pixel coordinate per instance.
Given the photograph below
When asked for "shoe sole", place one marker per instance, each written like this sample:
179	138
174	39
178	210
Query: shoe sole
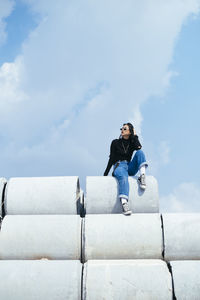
143	187
127	213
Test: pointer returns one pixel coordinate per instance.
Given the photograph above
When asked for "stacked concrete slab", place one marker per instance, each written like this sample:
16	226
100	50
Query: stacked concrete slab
40	279
123	254
182	251
40	239
118	237
102	196
57	244
147	255
126	279
42	195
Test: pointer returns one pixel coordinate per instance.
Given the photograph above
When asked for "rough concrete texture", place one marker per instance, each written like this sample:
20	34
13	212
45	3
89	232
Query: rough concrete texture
42	195
181	236
122	237
35	237
186	275
126	279
40	280
102	195
2	184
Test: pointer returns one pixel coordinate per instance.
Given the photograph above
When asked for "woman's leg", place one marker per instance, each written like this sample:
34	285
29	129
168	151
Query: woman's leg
137	162
121	173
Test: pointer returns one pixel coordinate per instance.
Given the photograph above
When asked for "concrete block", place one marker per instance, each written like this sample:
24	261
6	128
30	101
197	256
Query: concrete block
42	195
40	279
186	275
35	237
2	184
102	195
127	280
181	236
122	237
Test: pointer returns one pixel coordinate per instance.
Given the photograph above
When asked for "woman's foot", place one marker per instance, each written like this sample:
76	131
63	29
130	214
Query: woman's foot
126	209
142	181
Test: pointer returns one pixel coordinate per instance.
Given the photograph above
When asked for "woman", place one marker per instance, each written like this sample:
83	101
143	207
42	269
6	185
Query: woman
121	151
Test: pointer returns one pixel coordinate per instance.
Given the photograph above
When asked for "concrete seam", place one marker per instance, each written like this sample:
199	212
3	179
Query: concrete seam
82	270
3	200
163	237
82	240
83	206
80	205
170	270
83	282
163	254
78	198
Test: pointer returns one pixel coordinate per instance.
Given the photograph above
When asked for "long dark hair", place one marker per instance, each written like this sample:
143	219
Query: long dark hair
130	126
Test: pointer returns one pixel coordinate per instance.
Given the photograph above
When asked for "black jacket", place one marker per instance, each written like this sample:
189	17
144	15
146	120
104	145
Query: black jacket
122	149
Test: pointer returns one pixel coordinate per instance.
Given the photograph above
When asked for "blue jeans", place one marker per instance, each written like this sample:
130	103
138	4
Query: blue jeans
125	169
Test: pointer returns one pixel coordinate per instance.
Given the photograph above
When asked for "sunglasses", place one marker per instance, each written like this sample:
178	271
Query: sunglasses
123	128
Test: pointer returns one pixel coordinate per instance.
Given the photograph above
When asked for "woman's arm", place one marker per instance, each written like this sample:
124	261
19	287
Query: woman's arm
111	158
136	141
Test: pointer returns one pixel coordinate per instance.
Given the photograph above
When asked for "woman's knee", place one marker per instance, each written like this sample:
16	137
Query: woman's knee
139	152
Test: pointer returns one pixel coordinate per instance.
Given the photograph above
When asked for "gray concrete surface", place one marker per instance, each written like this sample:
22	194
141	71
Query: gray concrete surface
127	280
36	236
122	237
181	236
40	280
42	195
186	275
102	195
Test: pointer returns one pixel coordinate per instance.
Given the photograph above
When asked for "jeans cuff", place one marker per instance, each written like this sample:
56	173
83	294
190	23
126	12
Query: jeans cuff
143	164
123	196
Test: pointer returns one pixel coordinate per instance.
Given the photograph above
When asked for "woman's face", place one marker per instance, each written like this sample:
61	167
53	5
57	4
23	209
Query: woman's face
125	132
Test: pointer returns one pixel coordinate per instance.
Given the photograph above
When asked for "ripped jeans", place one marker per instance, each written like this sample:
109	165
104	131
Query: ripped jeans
125	169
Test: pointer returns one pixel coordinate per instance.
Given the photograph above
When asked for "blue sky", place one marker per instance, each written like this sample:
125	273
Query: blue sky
72	73
177	115
18	26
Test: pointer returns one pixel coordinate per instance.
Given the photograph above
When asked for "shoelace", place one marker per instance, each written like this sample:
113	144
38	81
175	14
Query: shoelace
142	179
125	206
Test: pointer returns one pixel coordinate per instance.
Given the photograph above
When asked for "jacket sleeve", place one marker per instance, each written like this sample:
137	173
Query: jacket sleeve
136	143
111	159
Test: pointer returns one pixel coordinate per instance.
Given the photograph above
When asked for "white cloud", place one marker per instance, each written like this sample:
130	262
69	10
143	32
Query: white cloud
84	71
158	156
6	7
10	83
184	198
164	152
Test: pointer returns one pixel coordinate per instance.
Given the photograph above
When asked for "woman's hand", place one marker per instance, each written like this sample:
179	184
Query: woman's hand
134	132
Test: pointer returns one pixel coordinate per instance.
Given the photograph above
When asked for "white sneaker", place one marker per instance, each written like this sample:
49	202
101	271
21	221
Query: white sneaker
142	182
126	209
